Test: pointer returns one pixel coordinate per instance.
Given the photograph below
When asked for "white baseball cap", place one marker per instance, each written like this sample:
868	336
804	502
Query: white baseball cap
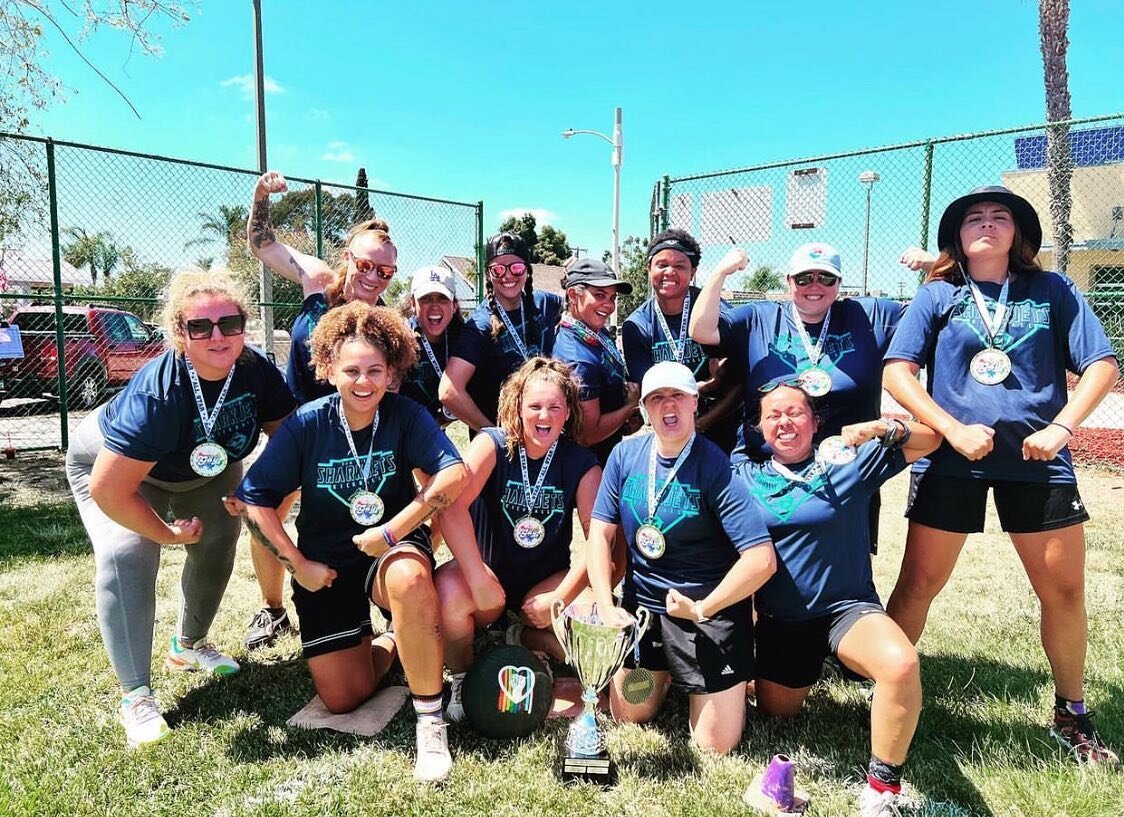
437	279
823	257
668	375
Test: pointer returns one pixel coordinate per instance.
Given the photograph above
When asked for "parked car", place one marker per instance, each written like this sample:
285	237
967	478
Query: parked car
103	349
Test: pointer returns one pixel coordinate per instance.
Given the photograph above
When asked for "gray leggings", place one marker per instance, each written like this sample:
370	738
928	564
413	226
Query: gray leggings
126	563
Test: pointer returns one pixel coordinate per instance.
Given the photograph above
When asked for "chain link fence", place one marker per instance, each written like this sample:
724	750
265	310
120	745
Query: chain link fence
872	204
95	234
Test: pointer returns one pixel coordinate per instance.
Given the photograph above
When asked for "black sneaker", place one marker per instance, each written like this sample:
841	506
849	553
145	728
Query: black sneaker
265	627
1077	736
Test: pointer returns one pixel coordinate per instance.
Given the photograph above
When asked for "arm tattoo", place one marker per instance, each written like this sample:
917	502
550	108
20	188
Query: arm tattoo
433	504
259	534
261	232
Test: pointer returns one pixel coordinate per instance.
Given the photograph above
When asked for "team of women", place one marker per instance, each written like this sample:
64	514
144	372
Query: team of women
744	522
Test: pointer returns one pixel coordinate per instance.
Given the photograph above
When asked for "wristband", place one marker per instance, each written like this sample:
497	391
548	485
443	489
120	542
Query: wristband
1060	425
388	537
700	617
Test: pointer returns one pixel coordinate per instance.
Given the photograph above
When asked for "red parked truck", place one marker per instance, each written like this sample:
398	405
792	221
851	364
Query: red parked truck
103	348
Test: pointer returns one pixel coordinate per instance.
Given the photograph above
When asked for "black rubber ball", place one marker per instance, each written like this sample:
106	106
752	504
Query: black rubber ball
507	693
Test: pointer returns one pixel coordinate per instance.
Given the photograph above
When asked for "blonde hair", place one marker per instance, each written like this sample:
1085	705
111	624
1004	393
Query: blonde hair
548	370
380	326
190	283
334	291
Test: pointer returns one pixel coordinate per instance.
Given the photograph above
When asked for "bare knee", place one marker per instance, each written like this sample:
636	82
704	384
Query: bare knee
408	582
1063	595
901	669
340	701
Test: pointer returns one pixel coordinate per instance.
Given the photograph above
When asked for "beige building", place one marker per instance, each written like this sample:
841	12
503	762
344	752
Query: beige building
1097	253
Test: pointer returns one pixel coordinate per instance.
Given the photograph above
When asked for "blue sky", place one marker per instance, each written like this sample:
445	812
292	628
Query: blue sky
467	101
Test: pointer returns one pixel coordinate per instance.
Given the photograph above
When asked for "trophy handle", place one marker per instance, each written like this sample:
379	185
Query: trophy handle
557	609
643	619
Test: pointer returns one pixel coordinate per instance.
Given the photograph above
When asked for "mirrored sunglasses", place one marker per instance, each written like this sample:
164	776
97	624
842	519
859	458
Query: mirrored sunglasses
803	279
202	328
516	268
366	266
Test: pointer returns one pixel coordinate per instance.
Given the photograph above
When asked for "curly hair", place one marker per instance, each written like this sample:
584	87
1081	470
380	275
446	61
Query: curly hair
190	283
950	264
334	291
379	326
548	370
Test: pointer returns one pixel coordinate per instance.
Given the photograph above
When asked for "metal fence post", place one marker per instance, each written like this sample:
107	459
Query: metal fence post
479	253
319	220
665	214
56	267
926	195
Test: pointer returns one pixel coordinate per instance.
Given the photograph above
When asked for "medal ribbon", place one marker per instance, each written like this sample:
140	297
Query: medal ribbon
208	420
817	468
519	344
678	345
591	338
351	443
814	352
532	494
432	357
993	323
654	498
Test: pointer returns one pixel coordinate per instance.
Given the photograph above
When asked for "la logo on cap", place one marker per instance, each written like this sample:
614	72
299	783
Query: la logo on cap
434	276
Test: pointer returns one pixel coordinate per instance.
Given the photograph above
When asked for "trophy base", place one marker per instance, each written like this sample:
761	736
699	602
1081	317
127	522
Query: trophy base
597	770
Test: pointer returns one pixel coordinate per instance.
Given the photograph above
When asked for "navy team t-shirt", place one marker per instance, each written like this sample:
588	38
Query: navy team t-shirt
1051	329
155	417
496	358
645	344
299	372
503	501
600	375
762	337
309	451
420	384
821	531
707	518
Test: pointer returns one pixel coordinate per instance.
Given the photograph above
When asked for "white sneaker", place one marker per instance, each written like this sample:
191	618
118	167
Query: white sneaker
201	655
141	718
454	712
879	804
434	761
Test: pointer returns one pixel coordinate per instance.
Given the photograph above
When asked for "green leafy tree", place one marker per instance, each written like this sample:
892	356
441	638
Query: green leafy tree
141	282
525	227
226	225
762	279
98	251
634	269
548	245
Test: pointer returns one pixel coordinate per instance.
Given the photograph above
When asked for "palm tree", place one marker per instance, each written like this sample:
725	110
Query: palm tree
98	251
225	226
1053	25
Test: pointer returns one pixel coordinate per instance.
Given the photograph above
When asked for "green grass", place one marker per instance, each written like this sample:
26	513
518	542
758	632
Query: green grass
982	746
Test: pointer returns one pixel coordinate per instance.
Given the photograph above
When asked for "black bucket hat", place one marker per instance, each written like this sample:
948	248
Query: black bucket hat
1020	208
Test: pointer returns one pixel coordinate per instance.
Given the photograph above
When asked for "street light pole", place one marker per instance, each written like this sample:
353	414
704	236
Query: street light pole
265	287
867	177
617	142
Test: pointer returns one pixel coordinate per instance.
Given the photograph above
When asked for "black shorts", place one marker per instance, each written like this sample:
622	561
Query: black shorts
418	540
339	617
872	520
791	653
957	504
702	658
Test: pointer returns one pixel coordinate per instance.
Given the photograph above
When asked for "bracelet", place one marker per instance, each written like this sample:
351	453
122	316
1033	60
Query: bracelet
700	617
889	437
1061	425
907	432
388	537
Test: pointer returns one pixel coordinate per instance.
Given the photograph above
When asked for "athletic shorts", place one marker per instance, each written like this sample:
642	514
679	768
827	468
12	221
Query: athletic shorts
791	653
957	504
339	617
702	658
872	520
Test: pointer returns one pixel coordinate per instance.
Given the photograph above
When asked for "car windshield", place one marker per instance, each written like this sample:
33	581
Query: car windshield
45	322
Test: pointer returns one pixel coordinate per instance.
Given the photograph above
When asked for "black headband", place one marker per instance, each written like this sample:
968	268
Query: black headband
674	244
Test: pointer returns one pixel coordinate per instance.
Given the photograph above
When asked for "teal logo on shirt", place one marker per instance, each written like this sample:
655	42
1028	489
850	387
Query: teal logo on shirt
780	496
679	501
549	503
693	356
1027	318
235	424
343	477
790	349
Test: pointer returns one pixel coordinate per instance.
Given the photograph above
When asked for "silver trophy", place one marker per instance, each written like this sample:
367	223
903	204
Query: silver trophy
596	650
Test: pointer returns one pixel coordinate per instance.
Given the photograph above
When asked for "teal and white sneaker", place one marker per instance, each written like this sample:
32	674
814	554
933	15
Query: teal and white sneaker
141	718
201	655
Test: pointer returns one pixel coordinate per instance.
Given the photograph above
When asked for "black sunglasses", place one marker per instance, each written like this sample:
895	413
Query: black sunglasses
803	279
229	325
791	382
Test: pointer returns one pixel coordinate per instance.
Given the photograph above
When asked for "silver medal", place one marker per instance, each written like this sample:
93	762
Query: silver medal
366	508
650	541
208	459
990	366
448	415
815	382
833	450
529	532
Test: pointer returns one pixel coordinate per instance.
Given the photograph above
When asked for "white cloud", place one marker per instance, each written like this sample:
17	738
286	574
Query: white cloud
336	145
318	115
247	85
338	151
541	214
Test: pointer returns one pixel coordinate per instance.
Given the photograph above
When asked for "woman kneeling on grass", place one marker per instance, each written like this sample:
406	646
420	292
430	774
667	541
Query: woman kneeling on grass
527	476
360	532
698	549
171	444
822	599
